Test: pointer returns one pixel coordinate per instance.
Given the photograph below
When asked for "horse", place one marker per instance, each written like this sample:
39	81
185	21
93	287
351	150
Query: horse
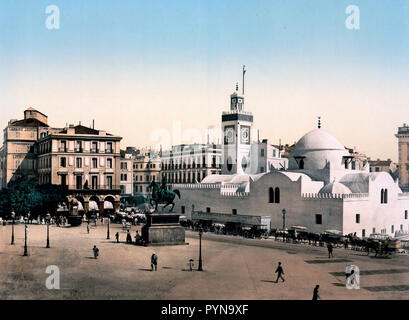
167	198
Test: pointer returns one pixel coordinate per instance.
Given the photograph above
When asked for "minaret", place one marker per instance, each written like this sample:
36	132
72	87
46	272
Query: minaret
236	125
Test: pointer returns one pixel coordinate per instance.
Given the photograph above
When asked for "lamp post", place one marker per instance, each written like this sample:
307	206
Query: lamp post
25	237
284	212
13	216
48	217
200	268
108	228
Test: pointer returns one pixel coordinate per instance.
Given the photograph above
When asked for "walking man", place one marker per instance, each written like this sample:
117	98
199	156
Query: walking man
96	251
330	249
88	227
279	272
154	262
117	237
316	295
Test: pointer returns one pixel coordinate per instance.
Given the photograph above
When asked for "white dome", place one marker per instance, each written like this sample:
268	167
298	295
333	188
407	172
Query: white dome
317	149
335	188
318	139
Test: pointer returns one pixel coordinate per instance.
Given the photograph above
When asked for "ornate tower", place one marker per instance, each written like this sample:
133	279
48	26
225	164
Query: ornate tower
236	126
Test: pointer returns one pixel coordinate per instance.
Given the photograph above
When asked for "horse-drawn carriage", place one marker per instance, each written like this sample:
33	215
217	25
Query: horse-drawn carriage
381	245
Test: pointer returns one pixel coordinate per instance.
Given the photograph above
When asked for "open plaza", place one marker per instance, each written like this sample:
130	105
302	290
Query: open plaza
233	268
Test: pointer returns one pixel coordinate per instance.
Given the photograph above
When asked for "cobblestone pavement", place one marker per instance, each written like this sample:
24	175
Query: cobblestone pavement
234	268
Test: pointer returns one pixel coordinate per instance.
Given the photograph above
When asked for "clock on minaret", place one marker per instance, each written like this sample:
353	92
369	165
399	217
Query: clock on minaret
229	134
245	135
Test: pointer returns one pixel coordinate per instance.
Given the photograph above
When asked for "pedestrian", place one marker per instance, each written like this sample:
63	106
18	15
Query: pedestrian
330	249
137	237
279	272
88	227
315	294
128	237
191	264
96	251
117	237
154	262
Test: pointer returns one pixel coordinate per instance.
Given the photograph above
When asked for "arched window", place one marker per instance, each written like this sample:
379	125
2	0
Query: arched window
277	195
301	165
270	195
229	164
385	196
381	195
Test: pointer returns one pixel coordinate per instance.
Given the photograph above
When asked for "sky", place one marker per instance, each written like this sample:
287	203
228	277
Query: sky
140	69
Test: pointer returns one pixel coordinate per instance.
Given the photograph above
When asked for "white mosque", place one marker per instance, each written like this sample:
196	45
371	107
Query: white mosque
320	190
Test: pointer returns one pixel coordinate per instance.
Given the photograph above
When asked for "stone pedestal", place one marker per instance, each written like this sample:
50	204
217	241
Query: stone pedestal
163	229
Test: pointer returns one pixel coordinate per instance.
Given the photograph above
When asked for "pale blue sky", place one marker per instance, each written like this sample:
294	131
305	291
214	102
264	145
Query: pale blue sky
134	66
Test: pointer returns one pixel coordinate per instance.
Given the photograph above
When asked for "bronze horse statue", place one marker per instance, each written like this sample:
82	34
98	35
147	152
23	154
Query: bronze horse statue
162	196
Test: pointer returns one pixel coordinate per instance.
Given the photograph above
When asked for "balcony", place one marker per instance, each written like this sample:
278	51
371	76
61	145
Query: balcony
94	150
108	151
94	188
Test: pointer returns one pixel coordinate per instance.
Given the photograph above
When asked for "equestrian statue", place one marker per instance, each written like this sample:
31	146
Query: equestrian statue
162	195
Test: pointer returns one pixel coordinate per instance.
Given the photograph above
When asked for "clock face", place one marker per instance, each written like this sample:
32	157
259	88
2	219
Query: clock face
229	135
245	135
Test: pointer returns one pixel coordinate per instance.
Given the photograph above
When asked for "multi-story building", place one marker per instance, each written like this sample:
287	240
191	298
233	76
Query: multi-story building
269	157
356	160
403	141
191	163
126	174
383	166
85	160
146	168
18	158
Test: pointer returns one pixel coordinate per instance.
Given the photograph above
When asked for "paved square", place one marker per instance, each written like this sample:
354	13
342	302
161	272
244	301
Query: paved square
234	268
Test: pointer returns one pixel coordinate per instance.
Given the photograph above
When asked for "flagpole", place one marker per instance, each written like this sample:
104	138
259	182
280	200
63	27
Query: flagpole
244	71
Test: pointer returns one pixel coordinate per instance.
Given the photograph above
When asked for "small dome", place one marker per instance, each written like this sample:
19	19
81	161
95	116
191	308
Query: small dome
335	188
318	139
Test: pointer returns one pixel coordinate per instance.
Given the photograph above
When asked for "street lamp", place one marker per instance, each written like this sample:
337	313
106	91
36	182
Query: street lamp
283	211
25	237
48	217
13	216
108	228
200	268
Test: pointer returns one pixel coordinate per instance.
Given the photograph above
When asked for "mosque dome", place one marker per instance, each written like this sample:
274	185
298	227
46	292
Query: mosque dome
316	150
335	188
318	140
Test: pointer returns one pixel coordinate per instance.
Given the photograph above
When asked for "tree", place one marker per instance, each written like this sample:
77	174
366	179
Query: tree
5	207
133	201
51	197
23	196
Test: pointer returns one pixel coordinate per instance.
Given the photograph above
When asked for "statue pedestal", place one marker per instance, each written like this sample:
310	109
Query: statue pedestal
163	229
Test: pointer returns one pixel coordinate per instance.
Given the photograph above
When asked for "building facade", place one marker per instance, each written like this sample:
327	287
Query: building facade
126	174
403	143
190	163
19	137
85	160
146	168
383	166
